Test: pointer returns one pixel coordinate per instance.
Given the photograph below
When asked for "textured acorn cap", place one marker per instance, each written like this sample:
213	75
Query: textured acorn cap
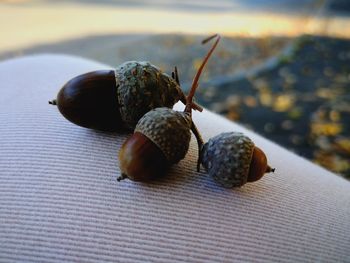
142	87
227	158
169	130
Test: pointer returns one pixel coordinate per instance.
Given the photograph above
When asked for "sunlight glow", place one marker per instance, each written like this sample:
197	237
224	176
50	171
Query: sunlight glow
27	25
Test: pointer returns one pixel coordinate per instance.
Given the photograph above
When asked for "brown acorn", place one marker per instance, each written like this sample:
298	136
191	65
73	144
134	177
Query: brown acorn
161	138
113	100
152	165
232	159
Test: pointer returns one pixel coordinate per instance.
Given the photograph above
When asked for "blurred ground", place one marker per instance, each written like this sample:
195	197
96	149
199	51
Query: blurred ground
303	103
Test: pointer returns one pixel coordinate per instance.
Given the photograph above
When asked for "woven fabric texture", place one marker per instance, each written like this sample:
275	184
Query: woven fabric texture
60	200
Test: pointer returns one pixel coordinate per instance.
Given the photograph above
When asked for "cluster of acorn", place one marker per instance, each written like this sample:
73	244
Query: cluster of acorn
137	95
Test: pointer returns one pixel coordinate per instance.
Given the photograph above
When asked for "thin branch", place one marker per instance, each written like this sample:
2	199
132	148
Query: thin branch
199	72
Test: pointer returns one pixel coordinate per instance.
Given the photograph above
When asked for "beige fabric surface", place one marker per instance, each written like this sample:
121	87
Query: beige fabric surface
60	201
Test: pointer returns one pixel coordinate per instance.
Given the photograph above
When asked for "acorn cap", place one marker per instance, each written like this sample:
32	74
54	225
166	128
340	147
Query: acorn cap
227	158
169	130
142	87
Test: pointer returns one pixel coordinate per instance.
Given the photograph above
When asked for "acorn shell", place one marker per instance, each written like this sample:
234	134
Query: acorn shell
141	160
227	158
169	130
141	88
89	100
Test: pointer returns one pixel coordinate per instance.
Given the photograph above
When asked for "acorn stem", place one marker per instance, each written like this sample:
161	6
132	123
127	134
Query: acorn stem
53	102
175	76
199	72
195	106
206	40
200	143
269	169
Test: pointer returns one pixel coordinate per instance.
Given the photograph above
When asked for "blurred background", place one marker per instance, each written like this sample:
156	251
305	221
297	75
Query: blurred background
282	68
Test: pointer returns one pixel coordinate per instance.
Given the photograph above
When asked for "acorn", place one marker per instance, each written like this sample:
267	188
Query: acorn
232	160
113	100
161	138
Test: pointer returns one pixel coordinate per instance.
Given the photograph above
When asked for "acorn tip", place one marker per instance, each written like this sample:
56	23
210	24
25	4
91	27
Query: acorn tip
270	170
53	102
122	177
